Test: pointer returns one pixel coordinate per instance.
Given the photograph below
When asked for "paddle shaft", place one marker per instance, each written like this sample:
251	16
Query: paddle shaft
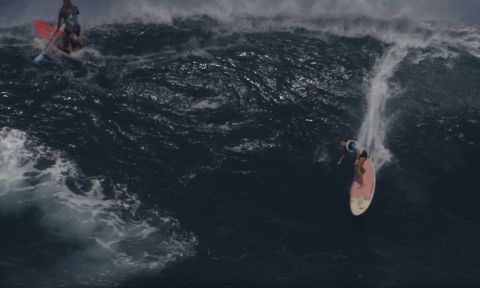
49	42
51	39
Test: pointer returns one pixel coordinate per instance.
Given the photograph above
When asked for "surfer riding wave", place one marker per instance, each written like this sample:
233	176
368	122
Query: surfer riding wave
349	147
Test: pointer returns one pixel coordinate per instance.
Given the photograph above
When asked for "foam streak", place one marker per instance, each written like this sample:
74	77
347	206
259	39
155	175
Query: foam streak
373	132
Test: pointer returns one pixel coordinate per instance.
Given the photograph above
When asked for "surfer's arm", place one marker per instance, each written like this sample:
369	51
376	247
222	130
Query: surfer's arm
357	157
341	159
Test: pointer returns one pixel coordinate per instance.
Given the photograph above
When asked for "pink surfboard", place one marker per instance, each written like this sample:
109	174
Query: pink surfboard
361	196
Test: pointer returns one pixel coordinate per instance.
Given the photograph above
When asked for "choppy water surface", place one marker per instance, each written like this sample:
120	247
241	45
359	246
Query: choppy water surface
203	154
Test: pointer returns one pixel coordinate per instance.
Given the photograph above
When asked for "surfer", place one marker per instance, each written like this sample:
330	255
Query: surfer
68	15
350	147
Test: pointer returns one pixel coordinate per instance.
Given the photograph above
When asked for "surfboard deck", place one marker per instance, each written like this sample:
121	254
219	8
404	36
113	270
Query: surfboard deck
361	196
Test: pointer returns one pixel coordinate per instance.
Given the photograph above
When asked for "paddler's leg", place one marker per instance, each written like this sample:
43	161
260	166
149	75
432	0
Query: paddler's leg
67	47
81	41
68	40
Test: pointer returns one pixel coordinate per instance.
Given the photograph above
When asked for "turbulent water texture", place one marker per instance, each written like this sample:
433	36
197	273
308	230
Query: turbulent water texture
203	153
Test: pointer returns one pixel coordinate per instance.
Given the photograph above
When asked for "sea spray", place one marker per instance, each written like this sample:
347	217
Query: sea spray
373	132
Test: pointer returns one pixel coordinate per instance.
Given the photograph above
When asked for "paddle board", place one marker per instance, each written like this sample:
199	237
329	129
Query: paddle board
361	196
45	31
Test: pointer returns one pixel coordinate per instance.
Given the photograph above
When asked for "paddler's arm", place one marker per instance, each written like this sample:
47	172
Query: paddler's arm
341	159
60	20
58	27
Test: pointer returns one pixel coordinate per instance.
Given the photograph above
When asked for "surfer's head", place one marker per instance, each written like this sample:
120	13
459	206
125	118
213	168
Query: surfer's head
344	141
67	3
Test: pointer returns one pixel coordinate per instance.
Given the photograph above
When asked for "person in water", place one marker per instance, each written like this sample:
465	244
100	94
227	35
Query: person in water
350	147
68	15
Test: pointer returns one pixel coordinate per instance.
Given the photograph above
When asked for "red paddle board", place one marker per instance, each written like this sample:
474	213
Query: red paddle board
361	196
45	31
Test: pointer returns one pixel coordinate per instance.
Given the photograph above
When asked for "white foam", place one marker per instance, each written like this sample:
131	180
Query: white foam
251	146
117	240
89	55
210	104
373	132
322	156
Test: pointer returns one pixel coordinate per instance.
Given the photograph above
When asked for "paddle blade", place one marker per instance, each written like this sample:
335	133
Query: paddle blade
39	58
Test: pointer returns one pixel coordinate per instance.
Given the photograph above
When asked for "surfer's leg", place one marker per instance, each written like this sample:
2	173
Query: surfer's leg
363	158
361	170
81	41
360	165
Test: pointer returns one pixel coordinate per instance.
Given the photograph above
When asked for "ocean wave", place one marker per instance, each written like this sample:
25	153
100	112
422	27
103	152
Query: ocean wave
111	237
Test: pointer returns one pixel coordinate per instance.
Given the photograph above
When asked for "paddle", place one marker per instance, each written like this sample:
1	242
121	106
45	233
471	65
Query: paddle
40	57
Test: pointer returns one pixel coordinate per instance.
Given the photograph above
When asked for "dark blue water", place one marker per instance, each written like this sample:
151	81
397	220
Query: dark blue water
201	155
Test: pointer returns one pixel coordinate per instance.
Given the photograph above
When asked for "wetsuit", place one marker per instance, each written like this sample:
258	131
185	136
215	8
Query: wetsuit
70	18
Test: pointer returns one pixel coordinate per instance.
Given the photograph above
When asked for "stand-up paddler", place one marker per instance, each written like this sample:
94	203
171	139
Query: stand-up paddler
68	15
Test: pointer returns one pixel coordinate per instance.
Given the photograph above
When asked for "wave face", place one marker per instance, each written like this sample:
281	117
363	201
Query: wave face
203	153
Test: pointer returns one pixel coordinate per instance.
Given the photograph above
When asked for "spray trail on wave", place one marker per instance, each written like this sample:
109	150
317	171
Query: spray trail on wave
373	132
